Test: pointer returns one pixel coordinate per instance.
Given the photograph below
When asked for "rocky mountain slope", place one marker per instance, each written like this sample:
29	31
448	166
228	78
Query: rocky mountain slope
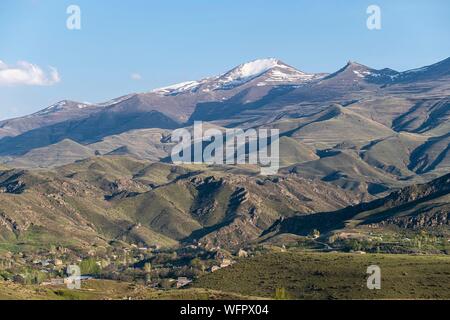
103	200
417	207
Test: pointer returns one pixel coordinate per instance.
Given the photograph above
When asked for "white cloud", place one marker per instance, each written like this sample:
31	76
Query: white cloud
136	76
26	73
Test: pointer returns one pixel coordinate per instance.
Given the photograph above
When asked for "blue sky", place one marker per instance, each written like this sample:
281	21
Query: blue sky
166	42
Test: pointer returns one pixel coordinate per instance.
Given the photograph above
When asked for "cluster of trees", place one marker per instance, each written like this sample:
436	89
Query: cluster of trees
90	267
26	276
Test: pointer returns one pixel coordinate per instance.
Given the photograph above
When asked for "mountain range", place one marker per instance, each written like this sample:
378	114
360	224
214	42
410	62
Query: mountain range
358	144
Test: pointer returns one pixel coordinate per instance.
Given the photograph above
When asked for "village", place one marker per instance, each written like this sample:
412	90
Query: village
159	268
164	268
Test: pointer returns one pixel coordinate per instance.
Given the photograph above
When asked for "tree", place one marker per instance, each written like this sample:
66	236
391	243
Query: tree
196	263
148	267
52	249
89	266
165	284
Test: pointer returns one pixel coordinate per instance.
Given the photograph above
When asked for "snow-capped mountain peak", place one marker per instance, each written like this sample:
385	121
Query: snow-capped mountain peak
253	69
354	72
269	71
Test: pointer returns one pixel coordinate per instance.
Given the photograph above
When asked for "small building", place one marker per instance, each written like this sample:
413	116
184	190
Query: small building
58	262
215	268
182	282
242	254
57	281
226	263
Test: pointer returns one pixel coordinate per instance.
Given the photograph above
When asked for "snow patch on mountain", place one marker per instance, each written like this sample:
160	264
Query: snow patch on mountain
62	106
288	76
187	86
363	74
247	72
253	69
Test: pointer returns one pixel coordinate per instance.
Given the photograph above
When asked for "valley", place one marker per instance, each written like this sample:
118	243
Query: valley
364	178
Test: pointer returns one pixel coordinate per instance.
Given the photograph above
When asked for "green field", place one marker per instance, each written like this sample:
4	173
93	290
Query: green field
334	276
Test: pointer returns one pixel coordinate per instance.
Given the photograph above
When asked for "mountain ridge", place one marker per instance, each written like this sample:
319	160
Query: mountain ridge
356	113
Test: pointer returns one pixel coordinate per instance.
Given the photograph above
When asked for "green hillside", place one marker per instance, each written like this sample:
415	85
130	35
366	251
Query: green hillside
334	276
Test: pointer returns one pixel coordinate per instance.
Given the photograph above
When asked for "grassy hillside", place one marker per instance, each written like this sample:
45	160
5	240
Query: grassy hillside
334	276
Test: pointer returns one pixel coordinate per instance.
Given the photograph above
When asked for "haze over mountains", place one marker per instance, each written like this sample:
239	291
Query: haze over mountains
346	137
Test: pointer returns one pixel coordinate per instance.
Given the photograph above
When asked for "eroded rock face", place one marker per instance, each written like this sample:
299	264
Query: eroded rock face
11	181
124	188
249	205
434	218
207	189
15	187
416	207
8	223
